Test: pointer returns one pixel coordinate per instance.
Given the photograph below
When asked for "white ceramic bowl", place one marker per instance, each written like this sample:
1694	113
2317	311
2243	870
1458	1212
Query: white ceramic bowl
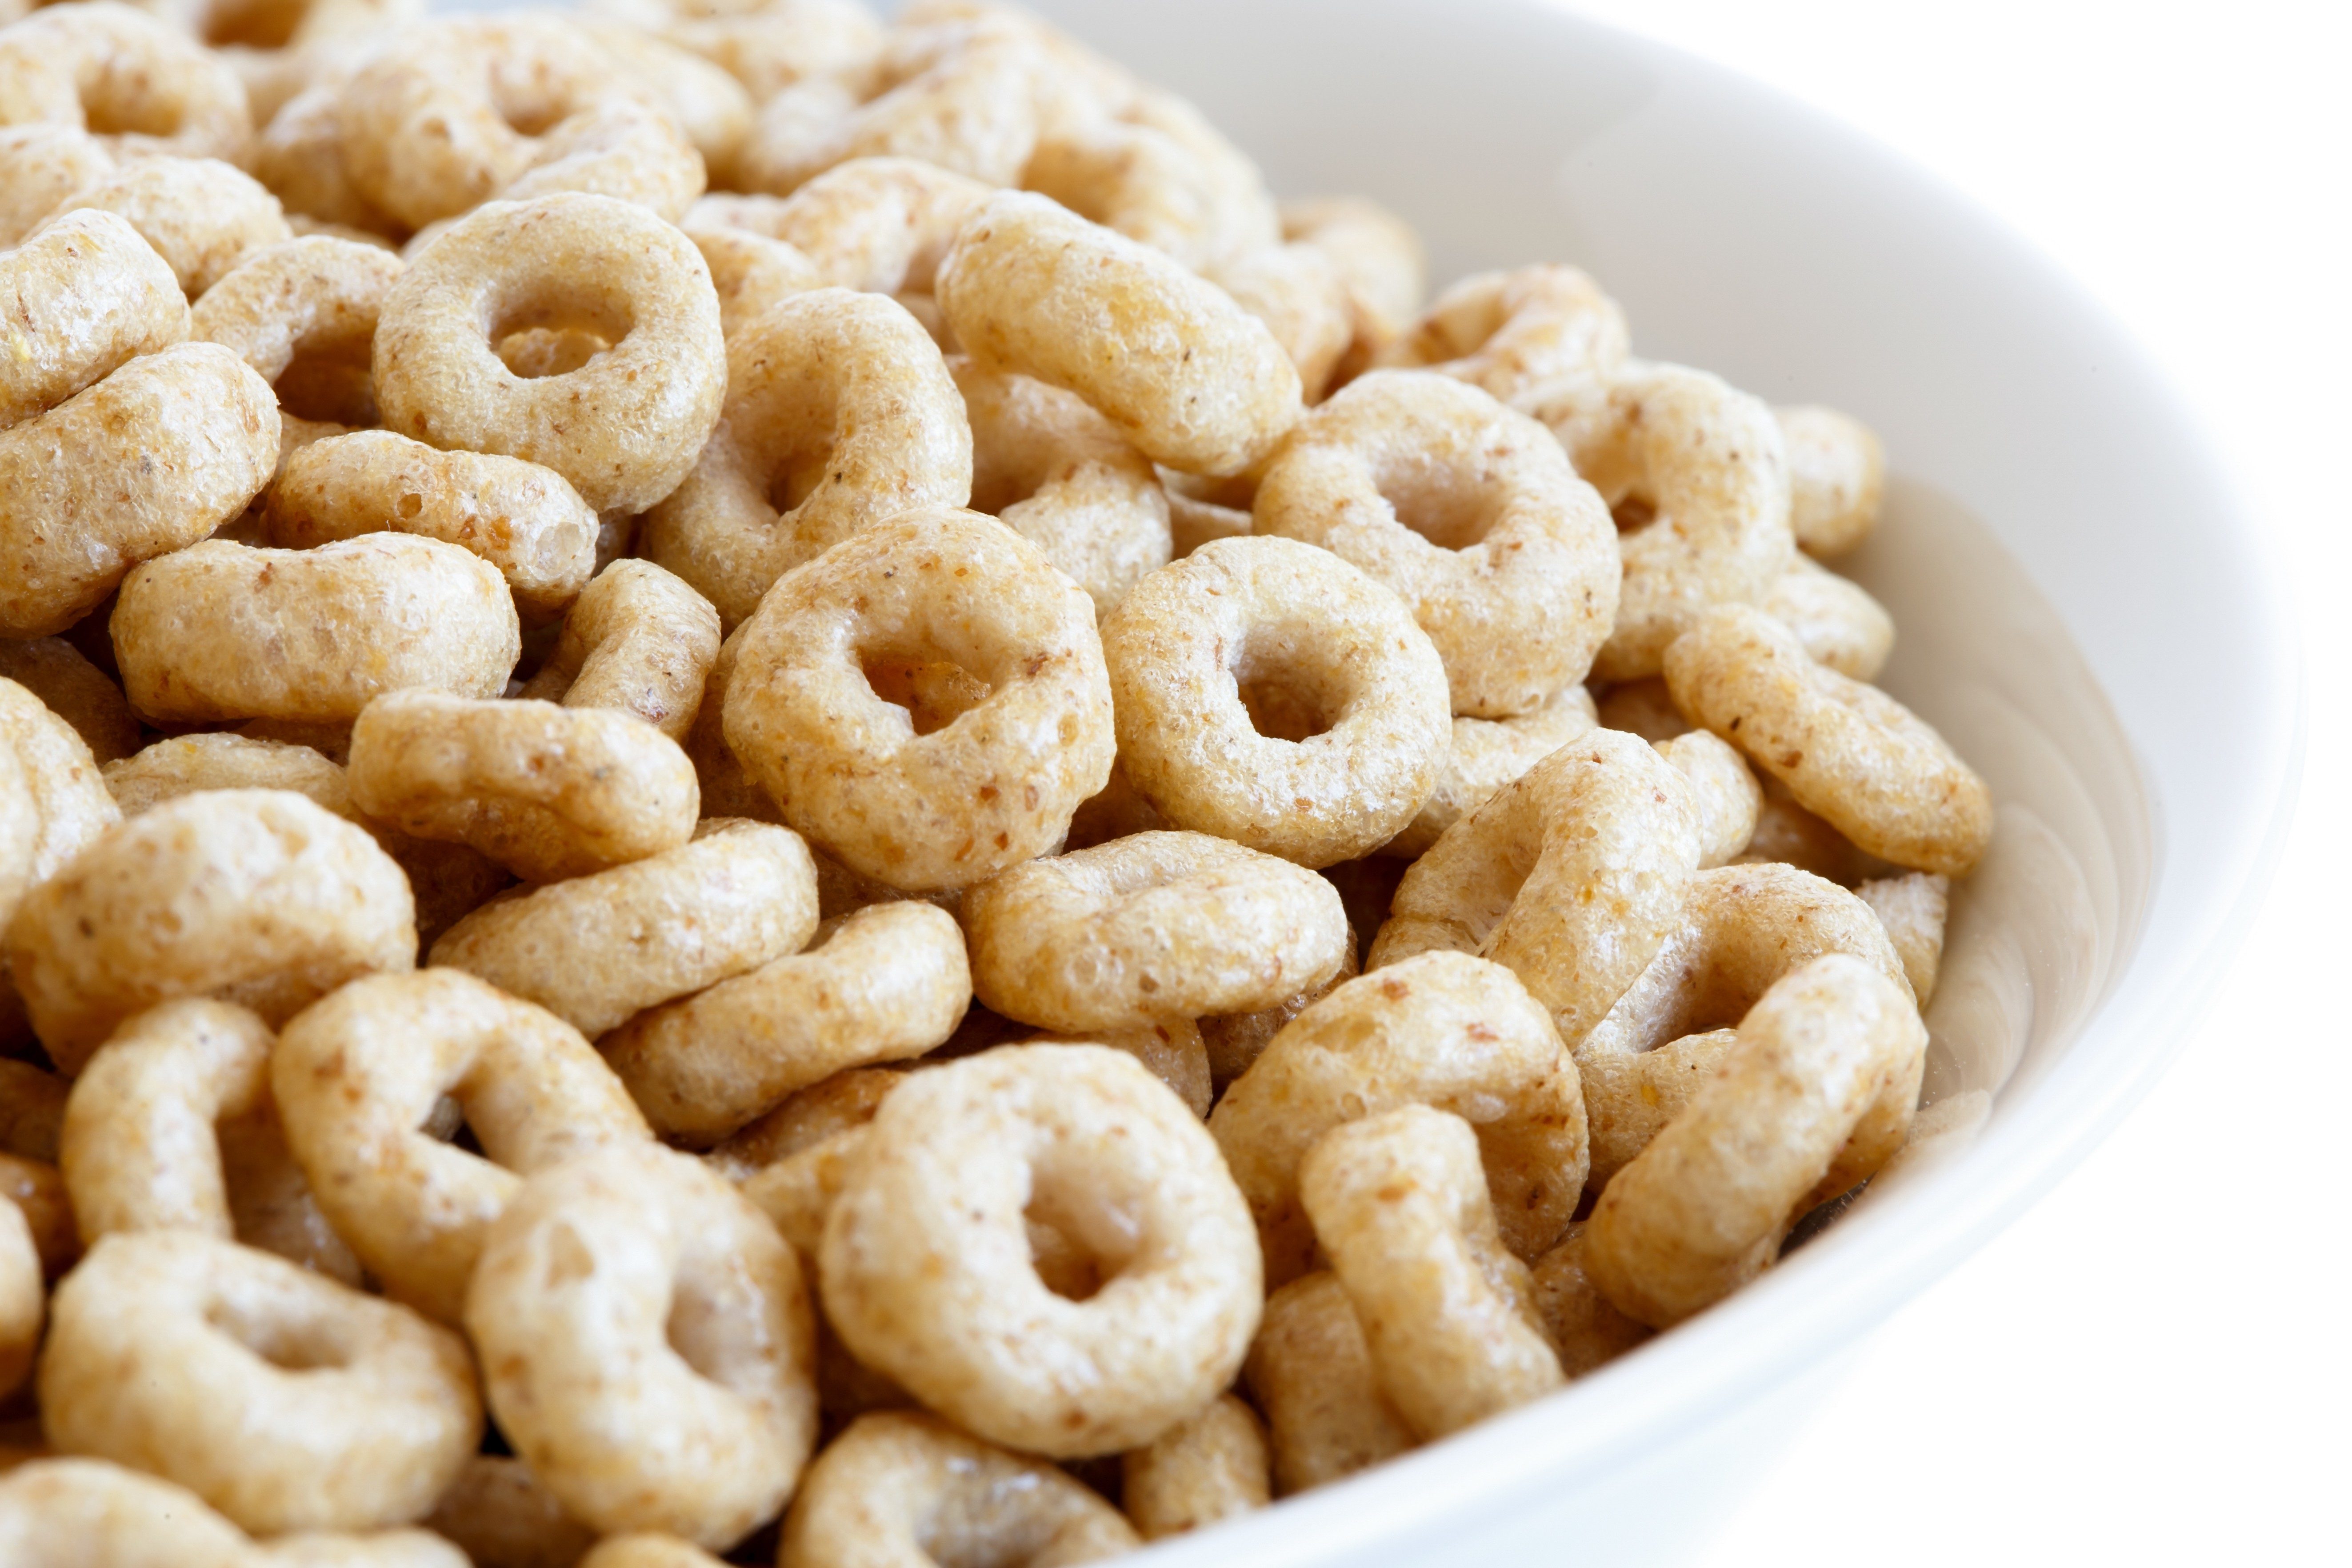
2083	610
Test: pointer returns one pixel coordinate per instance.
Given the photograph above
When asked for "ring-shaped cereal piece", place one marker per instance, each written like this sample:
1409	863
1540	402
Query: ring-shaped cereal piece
1725	795
1270	693
1840	625
1703	1209
987	784
1298	292
88	1513
1188	376
148	461
499	1516
639	640
1570	877
37	1192
1485	756
1913	908
521	518
1742	928
229	631
752	273
53	799
1531	338
1837	472
281	1398
23	1297
1467	511
1399	1202
649	1346
357	1077
255	896
84	296
883	984
881	225
1308	1370
1585	1331
1054	471
106	65
597	949
303	315
624	428
709	105
1706	461
202	217
546	791
1442	1029
839	413
1139	173
1208	1468
926	1263
900	1490
1850	754
1382	268
769	44
630	151
1149	927
40	165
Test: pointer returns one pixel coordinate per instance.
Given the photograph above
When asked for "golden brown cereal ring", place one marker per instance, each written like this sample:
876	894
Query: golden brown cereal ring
150	459
1442	1029
283	1399
1643	708
751	273
886	983
1151	927
76	691
40	165
1705	462
1703	1209
299	156
638	640
839	406
649	1346
766	45
881	225
1837	470
203	216
1188	376
1468	513
227	631
499	1515
1156	171
83	295
1839	625
1531	338
1399	1201
1785	831
709	105
1207	1467
38	1192
105	65
1913	909
1270	693
1868	765
925	806
926	1263
600	948
1232	1041
1742	928
255	896
23	1297
356	1077
1298	292
1485	756
521	518
53	799
817	1114
545	791
1310	1373
1054	471
303	315
623	429
1380	264
1570	877
1724	793
1585	1331
1200	511
632	152
727	790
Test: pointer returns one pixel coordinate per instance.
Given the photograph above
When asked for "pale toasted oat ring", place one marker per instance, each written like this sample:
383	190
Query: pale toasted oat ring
1868	765
1138	179
23	1297
904	1491
109	64
1188	377
299	156
547	791
40	165
1532	338
202	216
1270	627
1742	928
1443	1029
82	296
1057	473
884	984
816	1115
926	1263
1298	292
53	799
1839	624
1467	511
227	631
1309	1371
1585	1331
149	460
499	1516
312	300
1704	1208
283	1399
649	1346
638	640
1726	795
1209	1468
647	1550
521	518
38	1192
623	429
253	896
838	406
1399	1202
357	1077
630	151
709	105
1380	261
881	225
925	807
768	44
1570	877
88	1513
1913	908
1837	472
599	948
750	272
1151	927
1488	754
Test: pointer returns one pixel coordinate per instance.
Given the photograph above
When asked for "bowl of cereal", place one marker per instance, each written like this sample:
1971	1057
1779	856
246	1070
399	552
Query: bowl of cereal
831	805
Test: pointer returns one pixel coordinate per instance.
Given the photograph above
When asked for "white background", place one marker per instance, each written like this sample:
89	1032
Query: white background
2152	1365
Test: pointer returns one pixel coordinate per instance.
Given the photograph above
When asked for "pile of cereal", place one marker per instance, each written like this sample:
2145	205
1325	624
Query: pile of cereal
764	781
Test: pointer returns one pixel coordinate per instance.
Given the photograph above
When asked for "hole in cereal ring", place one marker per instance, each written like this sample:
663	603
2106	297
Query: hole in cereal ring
537	351
1080	1235
330	384
1436	505
1283	689
1633	513
298	1344
935	692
